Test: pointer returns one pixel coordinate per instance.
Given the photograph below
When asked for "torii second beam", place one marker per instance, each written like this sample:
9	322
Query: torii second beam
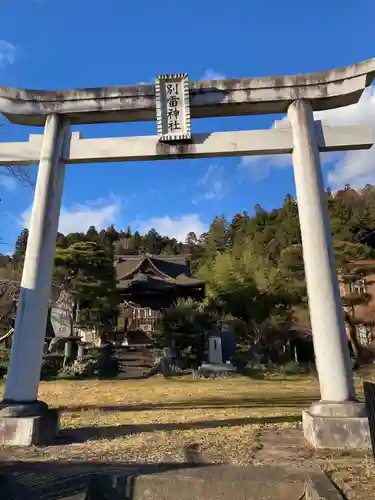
225	144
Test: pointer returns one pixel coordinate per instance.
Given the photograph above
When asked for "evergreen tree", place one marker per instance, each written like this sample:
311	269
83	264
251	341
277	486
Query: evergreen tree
170	246
86	269
137	242
21	244
152	242
61	240
218	238
72	238
92	234
191	239
238	226
112	234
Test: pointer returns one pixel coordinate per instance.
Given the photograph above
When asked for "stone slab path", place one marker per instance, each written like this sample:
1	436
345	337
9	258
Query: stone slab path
353	473
279	467
217	482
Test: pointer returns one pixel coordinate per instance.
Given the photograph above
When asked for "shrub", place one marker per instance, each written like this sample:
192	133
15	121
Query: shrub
4	360
184	326
80	368
107	364
292	368
51	365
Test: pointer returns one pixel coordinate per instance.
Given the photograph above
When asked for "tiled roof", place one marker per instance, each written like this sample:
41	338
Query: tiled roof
171	269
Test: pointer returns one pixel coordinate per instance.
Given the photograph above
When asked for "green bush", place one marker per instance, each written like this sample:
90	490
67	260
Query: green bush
51	365
107	365
4	360
292	368
184	326
4	355
261	371
80	368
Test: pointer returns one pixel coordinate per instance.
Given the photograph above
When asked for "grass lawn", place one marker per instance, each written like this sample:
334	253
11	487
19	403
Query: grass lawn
155	420
160	420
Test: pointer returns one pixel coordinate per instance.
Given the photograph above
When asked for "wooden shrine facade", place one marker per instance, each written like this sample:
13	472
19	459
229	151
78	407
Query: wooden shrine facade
147	285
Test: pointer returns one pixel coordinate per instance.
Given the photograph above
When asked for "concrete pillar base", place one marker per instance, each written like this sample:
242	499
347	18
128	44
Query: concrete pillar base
27	424
336	426
10	408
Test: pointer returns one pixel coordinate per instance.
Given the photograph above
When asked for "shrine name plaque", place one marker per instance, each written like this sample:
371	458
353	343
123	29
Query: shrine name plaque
173	107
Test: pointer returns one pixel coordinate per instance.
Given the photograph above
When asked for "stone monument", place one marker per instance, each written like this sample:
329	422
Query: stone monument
62	315
337	420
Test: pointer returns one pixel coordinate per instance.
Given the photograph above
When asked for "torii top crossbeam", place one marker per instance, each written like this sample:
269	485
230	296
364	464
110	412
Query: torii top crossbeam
272	94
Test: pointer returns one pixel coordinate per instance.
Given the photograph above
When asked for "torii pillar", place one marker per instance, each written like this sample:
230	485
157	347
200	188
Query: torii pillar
338	420
24	419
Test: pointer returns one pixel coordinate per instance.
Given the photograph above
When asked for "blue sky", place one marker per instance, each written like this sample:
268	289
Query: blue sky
54	45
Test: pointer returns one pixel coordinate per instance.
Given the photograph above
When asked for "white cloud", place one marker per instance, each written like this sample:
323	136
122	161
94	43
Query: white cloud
79	217
175	227
260	166
354	167
362	112
210	74
7	53
8	181
212	183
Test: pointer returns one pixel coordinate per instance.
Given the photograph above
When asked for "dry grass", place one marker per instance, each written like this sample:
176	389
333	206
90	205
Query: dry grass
157	420
154	420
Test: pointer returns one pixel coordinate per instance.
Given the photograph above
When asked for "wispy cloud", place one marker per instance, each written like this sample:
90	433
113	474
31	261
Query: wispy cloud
212	184
79	217
211	74
173	226
8	181
353	167
260	167
8	53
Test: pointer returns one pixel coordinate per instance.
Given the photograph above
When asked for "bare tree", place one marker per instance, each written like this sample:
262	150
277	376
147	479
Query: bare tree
18	172
9	295
9	292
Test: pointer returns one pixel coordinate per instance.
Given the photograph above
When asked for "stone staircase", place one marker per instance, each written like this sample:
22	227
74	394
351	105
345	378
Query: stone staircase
134	361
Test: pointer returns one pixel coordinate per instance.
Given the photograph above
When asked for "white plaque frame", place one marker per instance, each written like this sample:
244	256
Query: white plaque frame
162	81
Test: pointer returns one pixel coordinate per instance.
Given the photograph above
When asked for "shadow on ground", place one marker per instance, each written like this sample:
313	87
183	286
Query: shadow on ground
60	479
214	403
82	434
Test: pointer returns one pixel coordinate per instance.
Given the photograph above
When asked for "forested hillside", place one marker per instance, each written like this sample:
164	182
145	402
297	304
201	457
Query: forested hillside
252	264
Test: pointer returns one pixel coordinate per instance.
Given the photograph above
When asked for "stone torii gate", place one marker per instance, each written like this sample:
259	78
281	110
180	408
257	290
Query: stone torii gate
337	420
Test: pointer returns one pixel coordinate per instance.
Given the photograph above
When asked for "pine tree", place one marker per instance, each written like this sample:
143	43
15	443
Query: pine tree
152	242
218	236
21	244
112	234
86	268
92	234
61	240
137	242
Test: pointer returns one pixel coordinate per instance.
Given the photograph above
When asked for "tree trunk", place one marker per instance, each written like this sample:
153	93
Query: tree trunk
353	338
295	352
